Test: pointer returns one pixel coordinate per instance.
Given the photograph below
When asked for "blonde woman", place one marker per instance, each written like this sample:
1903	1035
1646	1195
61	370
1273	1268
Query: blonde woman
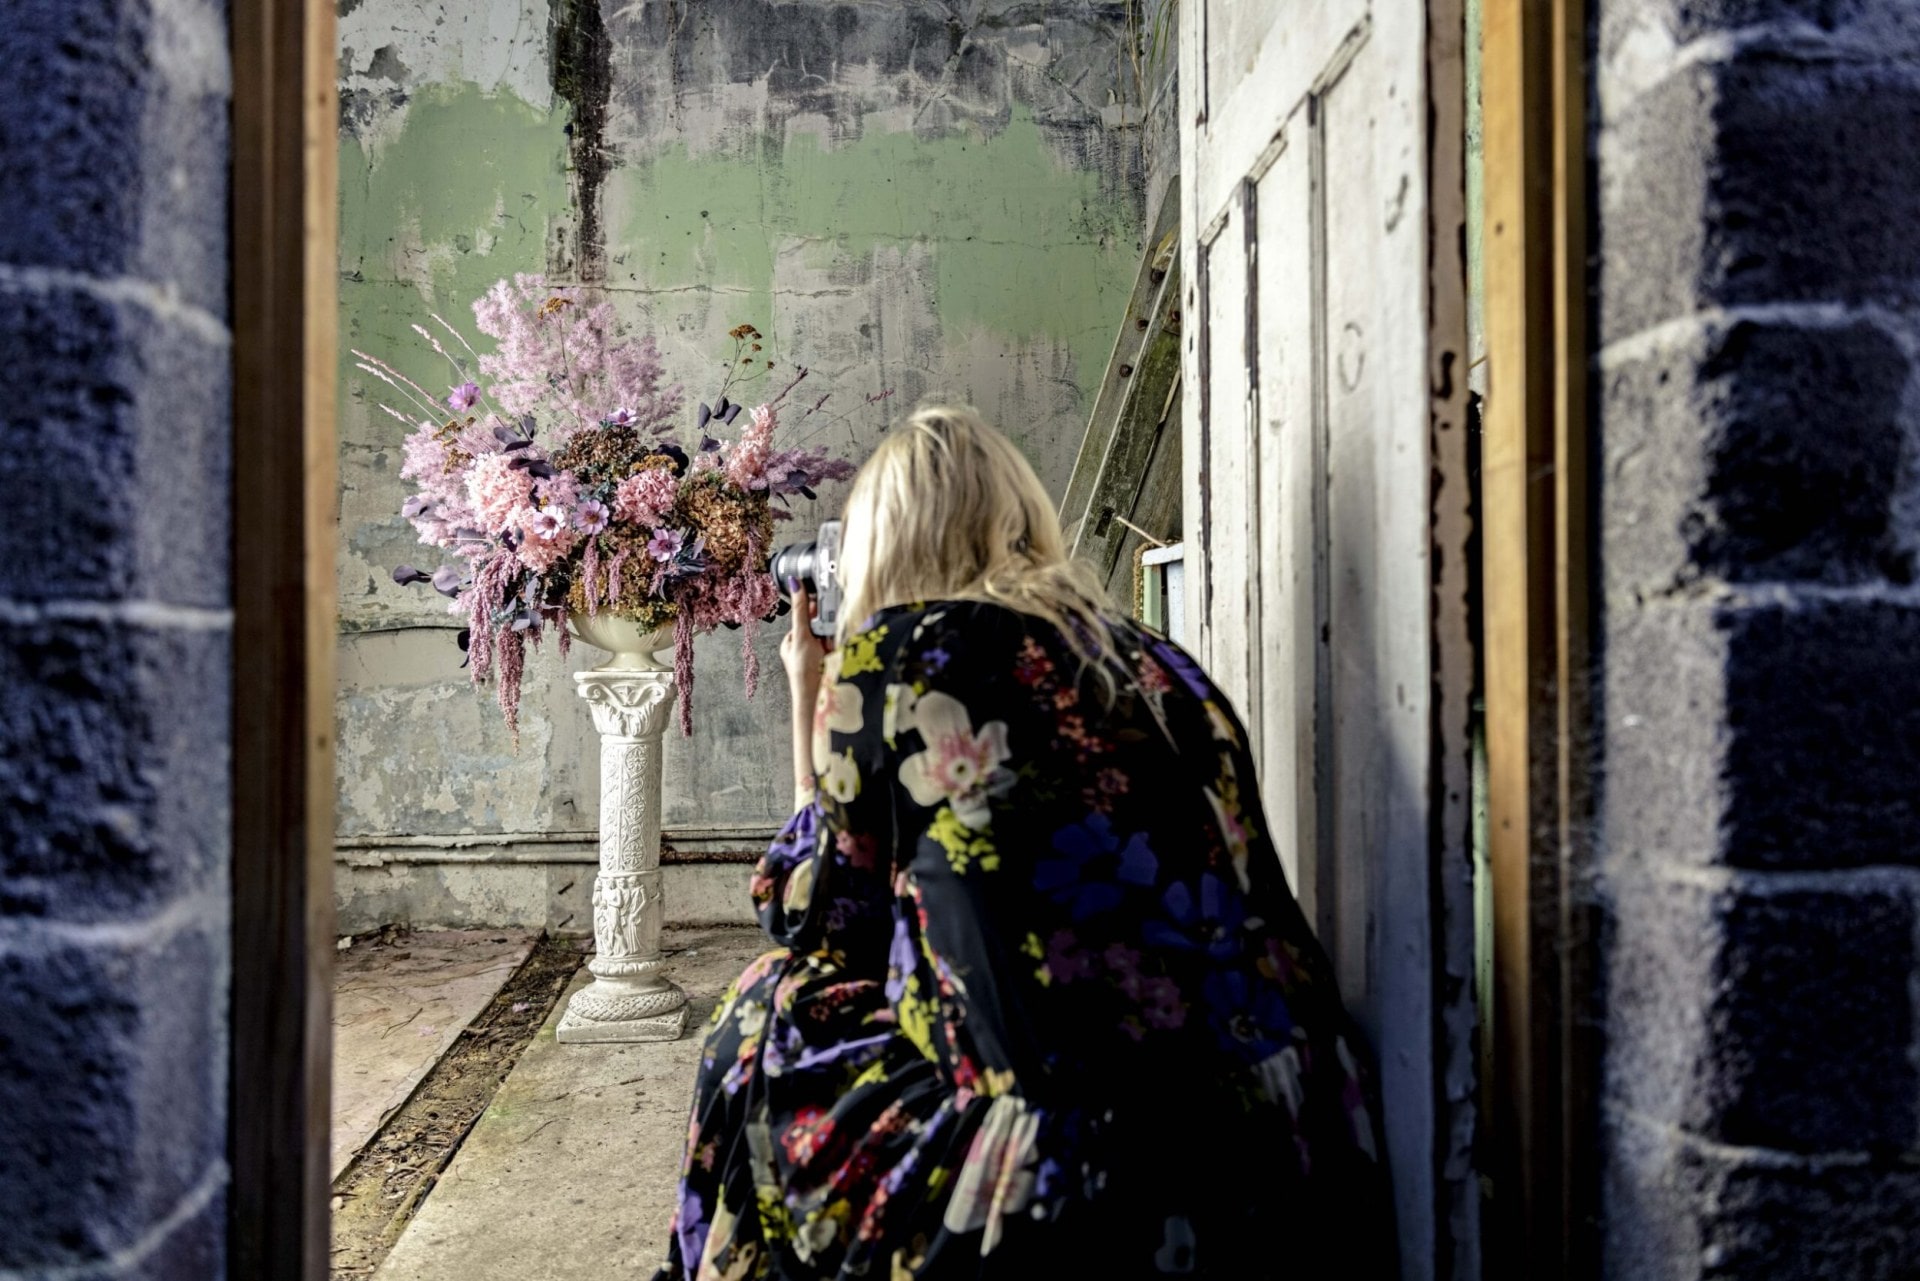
1043	1004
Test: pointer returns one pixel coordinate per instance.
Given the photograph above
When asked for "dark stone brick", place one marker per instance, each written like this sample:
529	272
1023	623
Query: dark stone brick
1766	179
119	455
112	169
1823	734
112	1092
1755	452
1812	1029
1779	735
1764	1017
113	766
1679	1211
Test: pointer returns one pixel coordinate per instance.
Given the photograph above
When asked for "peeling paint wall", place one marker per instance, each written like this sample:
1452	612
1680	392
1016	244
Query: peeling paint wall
940	199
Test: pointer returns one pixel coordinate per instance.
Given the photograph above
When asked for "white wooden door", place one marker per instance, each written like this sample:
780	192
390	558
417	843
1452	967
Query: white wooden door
1308	506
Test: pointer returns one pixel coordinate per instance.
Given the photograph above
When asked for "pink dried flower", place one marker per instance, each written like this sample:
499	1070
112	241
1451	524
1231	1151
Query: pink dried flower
464	397
645	499
498	490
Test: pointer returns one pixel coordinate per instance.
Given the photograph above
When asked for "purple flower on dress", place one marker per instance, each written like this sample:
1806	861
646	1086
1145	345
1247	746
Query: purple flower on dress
464	397
1250	1015
1092	863
900	960
665	544
691	1228
591	516
1209	922
1185	668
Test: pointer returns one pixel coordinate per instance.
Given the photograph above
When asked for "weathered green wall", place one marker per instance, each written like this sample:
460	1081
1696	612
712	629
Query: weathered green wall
898	200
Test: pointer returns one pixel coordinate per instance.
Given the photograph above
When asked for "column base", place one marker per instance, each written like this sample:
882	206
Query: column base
609	1010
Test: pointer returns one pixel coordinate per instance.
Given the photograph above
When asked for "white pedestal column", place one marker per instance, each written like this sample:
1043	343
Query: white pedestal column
630	998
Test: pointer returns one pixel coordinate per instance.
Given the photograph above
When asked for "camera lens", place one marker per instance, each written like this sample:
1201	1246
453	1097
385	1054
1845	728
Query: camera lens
793	563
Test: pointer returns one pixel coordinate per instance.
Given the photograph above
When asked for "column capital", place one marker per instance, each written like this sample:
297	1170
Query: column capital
627	704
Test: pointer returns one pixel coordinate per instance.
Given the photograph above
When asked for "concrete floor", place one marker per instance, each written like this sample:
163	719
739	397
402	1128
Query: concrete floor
570	1173
397	1006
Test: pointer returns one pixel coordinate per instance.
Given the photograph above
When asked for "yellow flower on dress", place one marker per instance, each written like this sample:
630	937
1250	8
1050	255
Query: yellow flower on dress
964	846
958	763
861	653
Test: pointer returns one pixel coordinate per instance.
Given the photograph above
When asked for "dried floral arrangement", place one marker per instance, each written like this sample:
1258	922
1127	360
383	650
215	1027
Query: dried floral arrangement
552	473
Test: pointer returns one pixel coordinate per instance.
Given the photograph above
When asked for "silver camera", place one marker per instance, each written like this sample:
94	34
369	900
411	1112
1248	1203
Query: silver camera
816	567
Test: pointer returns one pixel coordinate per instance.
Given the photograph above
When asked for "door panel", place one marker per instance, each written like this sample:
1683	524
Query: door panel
1307	413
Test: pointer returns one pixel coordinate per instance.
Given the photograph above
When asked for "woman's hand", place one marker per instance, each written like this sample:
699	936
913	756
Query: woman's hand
802	653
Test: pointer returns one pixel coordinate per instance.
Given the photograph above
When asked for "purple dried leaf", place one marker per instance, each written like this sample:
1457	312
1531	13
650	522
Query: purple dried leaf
447	580
407	575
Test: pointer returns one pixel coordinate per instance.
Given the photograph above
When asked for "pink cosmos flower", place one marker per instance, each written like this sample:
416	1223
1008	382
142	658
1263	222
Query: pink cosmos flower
591	517
665	544
464	397
545	523
622	417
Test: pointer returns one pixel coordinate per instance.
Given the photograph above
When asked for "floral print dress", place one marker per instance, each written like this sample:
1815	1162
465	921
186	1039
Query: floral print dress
1042	1002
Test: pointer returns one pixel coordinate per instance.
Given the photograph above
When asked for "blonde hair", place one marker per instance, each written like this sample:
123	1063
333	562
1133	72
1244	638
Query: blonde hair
948	509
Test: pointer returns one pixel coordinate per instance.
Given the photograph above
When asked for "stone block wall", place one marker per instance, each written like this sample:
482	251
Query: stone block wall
1757	270
114	639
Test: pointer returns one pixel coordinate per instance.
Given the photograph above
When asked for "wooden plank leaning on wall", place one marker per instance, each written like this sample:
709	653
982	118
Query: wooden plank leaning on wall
285	123
1537	551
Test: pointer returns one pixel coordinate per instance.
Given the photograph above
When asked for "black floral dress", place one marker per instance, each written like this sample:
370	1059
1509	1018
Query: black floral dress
1042	1005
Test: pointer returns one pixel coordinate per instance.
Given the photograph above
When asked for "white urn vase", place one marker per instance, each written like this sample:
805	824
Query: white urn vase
628	647
631	698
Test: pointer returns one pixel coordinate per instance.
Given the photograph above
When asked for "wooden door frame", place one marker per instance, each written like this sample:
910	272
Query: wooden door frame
285	267
1537	552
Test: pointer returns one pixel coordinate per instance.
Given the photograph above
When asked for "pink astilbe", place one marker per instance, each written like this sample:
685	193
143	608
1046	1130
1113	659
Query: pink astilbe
486	601
750	657
683	669
511	666
498	490
590	576
645	499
